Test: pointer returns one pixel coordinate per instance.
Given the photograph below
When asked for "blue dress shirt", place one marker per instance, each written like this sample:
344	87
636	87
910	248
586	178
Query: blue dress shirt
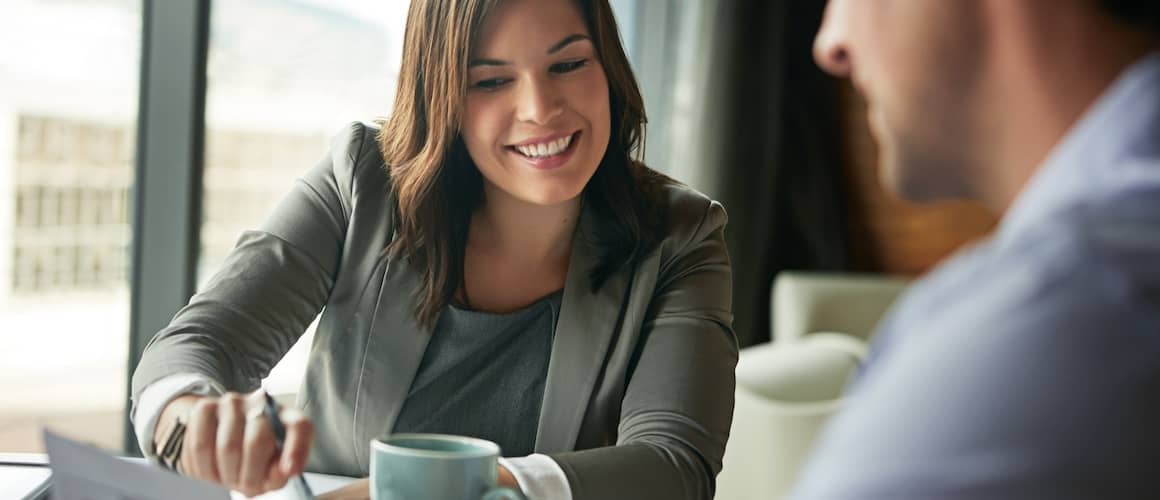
1029	365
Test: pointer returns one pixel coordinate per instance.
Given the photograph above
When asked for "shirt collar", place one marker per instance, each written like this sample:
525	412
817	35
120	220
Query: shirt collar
1079	168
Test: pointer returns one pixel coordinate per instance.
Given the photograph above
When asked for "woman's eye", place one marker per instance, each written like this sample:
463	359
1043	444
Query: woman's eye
568	66
490	84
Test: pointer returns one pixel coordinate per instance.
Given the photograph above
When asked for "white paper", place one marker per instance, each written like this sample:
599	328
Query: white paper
319	484
18	481
82	472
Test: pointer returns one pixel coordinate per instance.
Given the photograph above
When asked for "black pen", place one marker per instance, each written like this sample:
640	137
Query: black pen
280	438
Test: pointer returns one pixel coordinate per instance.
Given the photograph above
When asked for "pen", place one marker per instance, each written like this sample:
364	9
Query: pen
280	437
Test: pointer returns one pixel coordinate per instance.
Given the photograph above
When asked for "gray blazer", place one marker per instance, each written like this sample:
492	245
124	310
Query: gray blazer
639	393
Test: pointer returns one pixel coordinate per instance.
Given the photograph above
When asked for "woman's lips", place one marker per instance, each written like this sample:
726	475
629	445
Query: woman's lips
544	139
548	162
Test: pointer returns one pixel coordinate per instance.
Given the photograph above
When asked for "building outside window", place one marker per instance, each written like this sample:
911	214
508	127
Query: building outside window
277	90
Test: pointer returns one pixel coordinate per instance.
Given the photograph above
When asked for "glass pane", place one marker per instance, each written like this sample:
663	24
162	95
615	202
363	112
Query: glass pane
273	103
68	110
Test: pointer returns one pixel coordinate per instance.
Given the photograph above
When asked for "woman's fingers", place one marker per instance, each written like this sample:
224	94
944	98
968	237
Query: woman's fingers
229	440
299	436
295	450
275	478
259	450
198	451
230	431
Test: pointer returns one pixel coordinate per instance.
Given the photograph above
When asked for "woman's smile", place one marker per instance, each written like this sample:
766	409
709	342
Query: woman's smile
548	152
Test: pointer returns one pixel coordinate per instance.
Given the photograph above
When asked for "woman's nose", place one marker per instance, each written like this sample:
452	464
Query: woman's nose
540	102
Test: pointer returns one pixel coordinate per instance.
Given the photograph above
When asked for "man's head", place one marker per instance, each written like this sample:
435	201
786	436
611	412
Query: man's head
952	85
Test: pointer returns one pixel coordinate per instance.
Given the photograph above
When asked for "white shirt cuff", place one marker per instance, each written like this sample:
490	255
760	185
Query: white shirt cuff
157	395
540	477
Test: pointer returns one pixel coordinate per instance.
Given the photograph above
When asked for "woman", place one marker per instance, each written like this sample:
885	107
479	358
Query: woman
492	263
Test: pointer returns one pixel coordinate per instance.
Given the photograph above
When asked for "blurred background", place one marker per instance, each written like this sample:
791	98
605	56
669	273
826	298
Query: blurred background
736	109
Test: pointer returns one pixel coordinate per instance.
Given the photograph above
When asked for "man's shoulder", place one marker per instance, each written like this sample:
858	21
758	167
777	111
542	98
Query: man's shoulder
1114	245
1072	271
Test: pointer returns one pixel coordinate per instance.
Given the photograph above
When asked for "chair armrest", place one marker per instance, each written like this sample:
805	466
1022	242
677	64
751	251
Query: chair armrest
853	304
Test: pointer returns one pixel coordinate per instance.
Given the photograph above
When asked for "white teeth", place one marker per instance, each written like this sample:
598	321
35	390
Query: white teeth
544	149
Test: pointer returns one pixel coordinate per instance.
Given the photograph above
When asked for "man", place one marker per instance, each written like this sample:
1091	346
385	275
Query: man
1029	365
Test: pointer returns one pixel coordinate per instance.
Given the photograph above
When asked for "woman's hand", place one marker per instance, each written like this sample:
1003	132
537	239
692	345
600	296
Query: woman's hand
507	480
229	441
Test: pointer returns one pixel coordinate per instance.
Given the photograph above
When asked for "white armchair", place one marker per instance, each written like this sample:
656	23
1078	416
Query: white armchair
853	304
788	389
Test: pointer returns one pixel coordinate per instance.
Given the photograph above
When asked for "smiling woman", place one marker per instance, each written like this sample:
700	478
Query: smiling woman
494	262
535	73
525	111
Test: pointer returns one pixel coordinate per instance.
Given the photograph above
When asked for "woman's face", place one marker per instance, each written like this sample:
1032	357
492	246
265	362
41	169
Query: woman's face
536	120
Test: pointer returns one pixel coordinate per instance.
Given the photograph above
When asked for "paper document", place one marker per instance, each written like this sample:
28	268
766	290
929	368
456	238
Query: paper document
320	483
22	482
81	472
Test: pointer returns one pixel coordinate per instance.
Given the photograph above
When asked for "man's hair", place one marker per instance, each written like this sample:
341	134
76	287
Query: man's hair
1144	14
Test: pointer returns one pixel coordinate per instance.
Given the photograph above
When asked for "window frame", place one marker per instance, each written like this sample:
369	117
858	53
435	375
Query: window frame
167	186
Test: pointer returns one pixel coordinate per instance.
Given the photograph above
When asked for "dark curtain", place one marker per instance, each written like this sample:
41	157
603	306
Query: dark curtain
772	154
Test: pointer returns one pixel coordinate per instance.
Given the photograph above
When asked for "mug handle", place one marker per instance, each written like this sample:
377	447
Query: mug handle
504	494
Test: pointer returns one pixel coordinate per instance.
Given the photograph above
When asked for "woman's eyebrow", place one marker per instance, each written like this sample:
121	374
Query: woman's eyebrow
558	46
568	40
486	62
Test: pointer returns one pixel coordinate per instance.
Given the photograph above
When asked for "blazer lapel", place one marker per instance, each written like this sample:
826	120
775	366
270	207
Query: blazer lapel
394	349
584	331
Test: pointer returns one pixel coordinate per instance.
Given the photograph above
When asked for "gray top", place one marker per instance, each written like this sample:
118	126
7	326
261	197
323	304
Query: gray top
479	363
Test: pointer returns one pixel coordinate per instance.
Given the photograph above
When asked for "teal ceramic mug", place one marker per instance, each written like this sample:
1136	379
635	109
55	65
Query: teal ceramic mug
436	467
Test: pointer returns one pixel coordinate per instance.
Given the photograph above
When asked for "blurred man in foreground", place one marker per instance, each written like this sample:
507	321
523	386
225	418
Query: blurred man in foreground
1027	366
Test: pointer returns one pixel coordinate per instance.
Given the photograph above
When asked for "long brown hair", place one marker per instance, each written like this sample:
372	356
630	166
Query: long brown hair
437	187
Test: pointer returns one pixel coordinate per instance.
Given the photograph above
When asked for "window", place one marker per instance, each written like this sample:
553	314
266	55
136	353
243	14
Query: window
283	77
67	131
277	91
